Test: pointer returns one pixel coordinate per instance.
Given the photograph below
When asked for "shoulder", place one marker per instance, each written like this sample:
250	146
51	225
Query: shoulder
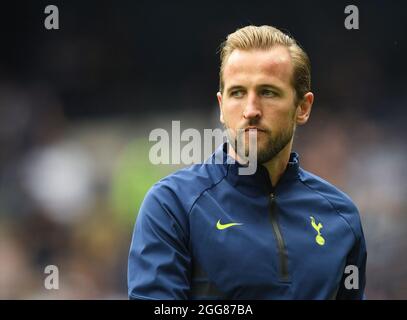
339	200
166	206
183	187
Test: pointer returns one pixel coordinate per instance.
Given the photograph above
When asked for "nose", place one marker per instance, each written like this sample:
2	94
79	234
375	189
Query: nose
252	110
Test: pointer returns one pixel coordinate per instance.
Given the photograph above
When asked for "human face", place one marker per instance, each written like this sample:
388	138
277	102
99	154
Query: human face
258	94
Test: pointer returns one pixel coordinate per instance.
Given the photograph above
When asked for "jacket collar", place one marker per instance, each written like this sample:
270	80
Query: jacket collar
258	183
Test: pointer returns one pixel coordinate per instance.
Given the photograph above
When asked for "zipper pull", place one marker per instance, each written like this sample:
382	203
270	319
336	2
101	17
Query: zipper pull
272	200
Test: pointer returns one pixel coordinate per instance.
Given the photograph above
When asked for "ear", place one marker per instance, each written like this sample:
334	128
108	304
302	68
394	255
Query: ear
304	108
219	96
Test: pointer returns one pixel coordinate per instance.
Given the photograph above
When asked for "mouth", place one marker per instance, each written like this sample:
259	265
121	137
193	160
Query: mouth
253	128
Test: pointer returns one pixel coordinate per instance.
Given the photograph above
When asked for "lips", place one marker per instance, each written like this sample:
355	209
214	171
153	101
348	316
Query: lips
253	128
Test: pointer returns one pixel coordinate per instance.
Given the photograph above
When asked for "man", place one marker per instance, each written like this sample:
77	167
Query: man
208	232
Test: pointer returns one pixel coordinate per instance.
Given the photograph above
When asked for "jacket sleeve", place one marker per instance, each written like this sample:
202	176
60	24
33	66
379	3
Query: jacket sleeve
353	282
159	259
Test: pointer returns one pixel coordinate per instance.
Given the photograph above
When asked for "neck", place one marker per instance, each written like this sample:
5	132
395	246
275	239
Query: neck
278	164
275	166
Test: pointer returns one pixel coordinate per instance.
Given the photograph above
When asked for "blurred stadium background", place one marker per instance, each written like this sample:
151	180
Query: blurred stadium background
77	106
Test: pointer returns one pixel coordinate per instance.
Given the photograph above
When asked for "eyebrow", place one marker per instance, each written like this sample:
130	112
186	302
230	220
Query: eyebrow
234	88
261	86
272	86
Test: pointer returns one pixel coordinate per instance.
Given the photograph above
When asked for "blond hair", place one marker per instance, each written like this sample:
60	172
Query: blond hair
265	37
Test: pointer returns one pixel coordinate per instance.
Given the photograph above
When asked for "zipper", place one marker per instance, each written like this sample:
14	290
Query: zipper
282	251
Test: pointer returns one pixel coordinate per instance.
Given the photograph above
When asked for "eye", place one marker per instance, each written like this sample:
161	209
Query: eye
237	93
268	93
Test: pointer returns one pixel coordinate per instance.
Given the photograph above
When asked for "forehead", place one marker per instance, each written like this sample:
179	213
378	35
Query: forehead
273	65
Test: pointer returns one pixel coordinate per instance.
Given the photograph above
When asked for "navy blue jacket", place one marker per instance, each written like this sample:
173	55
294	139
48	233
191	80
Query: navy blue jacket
207	232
